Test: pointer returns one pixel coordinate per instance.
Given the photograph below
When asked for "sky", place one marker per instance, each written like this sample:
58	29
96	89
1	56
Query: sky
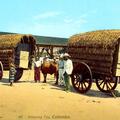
58	18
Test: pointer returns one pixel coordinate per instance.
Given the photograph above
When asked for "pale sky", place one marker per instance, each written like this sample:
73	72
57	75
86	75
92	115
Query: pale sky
58	18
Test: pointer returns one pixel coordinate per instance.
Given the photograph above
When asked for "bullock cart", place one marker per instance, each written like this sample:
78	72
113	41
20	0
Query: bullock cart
18	47
96	57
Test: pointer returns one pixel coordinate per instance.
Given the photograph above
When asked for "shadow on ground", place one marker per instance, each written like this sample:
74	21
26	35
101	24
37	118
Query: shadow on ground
90	93
97	93
4	80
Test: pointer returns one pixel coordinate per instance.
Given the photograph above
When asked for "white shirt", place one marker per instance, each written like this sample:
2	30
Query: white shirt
41	59
38	63
68	67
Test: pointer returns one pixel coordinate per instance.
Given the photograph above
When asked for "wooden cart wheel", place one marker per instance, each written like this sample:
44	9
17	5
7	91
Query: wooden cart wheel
19	73
82	78
1	70
107	84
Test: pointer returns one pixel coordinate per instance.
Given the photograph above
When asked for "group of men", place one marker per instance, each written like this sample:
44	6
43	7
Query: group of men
65	68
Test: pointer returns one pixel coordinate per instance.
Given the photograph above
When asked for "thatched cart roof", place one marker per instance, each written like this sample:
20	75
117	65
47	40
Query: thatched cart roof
104	38
45	40
12	40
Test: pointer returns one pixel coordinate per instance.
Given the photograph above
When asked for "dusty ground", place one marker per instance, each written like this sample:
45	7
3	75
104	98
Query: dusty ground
38	101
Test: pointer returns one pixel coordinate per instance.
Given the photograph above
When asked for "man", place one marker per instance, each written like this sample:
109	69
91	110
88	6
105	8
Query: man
68	68
37	70
61	70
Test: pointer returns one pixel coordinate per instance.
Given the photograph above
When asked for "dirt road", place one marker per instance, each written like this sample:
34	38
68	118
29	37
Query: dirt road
39	101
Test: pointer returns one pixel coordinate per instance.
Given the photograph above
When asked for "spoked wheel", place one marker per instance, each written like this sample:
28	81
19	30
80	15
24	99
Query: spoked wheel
19	73
107	84
1	70
82	78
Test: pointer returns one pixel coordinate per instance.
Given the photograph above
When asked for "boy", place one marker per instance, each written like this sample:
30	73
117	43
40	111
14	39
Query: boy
12	73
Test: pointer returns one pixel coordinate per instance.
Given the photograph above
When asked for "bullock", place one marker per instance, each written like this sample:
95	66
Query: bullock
49	67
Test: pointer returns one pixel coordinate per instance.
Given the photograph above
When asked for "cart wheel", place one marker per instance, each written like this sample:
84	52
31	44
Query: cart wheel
107	84
1	70
82	78
19	73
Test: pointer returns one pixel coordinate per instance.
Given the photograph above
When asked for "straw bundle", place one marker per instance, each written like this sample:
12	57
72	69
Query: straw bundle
11	40
8	44
98	49
104	38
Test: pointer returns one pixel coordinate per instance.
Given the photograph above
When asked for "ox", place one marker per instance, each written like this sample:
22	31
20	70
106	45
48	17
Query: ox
49	67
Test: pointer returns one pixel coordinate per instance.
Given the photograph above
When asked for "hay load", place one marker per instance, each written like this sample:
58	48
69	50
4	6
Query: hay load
99	49
12	44
12	40
101	38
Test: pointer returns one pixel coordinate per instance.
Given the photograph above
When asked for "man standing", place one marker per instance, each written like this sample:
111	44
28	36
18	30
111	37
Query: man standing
37	70
61	70
68	68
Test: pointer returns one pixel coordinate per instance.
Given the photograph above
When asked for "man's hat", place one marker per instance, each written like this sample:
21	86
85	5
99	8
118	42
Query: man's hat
66	55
